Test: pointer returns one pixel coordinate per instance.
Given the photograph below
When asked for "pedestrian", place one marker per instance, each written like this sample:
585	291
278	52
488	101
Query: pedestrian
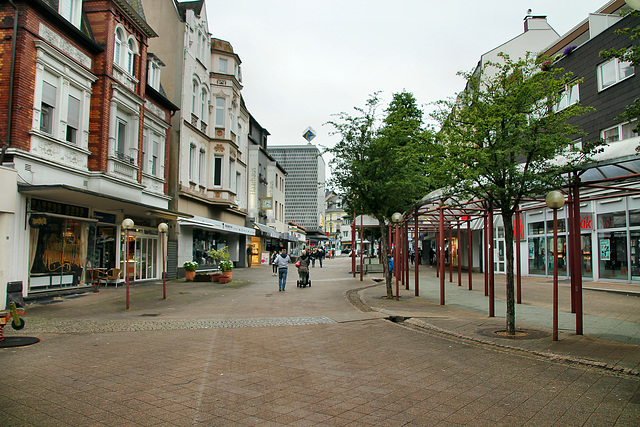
412	256
314	256
282	261
303	269
274	267
390	258
320	256
249	255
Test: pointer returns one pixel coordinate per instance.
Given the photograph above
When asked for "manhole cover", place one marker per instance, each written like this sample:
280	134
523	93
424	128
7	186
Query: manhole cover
521	334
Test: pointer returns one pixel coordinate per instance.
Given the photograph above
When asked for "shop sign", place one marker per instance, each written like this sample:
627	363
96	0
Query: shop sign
59	208
104	217
605	249
38	221
586	221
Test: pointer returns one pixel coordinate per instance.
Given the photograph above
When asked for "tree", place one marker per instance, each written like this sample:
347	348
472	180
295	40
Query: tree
504	141
628	54
379	166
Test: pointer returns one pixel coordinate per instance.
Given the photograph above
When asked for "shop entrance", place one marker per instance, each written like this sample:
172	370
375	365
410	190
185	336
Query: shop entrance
143	256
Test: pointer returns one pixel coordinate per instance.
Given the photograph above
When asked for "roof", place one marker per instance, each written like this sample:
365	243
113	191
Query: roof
196	6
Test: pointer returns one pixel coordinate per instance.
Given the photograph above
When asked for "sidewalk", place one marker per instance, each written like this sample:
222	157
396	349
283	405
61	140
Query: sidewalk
611	323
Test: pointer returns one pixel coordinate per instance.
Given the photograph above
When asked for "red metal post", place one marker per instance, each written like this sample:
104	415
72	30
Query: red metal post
396	259
578	255
486	255
441	255
571	231
416	237
518	260
492	302
450	253
470	250
353	245
438	255
126	266
459	259
555	275
406	253
361	248
164	273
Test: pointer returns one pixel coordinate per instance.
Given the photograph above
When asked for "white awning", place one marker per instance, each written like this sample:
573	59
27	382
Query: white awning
212	224
266	230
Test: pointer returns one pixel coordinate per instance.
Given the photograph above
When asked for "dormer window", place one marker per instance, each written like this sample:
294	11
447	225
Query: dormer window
71	10
125	50
153	74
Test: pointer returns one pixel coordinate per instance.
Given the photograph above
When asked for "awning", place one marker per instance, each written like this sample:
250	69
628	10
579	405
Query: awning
99	202
266	230
212	224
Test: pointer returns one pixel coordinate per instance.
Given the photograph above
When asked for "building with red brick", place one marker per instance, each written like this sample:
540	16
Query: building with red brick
85	127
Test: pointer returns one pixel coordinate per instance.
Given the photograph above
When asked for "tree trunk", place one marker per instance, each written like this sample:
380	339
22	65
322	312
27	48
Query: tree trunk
507	217
384	248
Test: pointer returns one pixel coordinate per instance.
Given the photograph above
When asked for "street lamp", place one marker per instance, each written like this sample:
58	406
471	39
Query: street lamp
555	201
397	219
162	229
127	224
633	4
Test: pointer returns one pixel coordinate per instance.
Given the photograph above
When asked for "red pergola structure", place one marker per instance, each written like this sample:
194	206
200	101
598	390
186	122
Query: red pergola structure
438	214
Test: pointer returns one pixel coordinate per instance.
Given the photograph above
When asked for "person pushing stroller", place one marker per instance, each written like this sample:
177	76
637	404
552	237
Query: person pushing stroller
303	270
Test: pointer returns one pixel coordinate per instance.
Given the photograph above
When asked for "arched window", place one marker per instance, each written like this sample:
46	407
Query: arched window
117	53
194	97
203	105
132	51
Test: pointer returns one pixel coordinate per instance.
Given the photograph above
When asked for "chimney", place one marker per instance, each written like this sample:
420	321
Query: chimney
533	22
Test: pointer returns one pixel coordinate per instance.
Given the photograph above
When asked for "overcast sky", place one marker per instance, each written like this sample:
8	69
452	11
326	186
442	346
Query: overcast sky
304	60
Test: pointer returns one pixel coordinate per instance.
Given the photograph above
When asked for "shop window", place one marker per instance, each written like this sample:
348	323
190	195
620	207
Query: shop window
612	220
561	226
536	228
537	255
612	251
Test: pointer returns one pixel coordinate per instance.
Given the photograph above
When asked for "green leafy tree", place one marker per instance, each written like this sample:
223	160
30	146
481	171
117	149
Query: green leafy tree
379	165
628	54
504	141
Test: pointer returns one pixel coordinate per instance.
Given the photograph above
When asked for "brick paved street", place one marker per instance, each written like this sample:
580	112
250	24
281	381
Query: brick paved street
246	354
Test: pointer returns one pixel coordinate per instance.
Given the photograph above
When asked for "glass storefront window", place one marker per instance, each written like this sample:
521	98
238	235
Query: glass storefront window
561	226
634	218
635	255
612	254
587	266
536	228
58	254
537	255
562	255
612	220
203	242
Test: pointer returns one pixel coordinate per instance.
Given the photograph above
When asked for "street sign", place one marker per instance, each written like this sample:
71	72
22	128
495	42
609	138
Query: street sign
309	134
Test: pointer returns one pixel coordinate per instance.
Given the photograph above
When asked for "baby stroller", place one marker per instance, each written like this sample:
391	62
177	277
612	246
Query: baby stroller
303	277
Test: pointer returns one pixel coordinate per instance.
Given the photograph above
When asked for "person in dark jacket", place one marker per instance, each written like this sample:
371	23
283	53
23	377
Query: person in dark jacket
303	270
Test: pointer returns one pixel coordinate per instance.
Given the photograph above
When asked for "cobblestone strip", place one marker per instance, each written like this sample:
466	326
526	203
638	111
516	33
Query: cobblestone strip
56	326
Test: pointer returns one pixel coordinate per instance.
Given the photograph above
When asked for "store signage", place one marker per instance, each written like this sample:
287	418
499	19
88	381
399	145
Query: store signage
104	217
59	208
586	221
38	221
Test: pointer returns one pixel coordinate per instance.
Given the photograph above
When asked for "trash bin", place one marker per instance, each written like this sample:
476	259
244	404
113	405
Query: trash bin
14	293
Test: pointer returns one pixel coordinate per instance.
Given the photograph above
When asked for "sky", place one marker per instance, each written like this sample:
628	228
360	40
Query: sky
305	60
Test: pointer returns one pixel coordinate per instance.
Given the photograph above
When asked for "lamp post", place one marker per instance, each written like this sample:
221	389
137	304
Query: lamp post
127	224
396	218
162	229
555	201
633	4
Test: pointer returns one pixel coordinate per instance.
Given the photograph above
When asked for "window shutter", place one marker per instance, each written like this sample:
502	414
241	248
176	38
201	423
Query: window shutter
73	118
49	94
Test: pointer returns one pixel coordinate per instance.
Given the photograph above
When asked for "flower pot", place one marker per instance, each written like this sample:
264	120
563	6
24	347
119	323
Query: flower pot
189	275
228	274
215	277
224	279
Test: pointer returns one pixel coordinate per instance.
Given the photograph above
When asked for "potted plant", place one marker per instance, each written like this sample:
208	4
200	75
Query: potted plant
226	267
219	255
190	270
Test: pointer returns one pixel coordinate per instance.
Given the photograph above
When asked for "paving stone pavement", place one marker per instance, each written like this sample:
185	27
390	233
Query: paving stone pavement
303	357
